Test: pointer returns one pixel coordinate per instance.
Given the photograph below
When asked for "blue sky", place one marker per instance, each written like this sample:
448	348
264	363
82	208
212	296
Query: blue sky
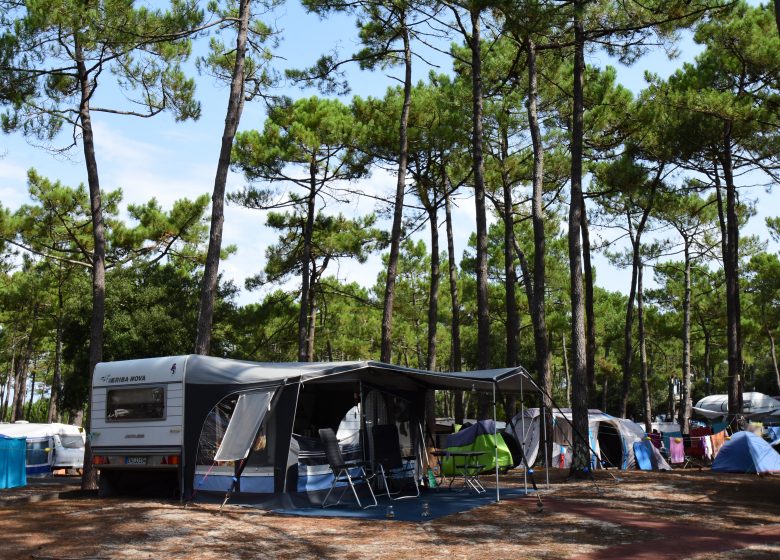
167	160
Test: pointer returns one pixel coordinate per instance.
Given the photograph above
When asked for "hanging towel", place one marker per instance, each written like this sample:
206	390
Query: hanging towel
676	450
717	442
708	447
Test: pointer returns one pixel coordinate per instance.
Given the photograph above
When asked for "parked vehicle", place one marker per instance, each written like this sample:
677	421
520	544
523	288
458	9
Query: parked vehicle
755	406
137	422
49	446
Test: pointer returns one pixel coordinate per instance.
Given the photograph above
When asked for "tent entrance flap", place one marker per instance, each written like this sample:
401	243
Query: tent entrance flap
611	445
248	415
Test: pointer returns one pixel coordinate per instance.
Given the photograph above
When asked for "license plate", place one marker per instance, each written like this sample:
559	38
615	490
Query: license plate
135	460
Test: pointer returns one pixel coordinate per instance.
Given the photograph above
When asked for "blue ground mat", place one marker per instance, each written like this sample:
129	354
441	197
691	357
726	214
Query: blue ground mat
440	502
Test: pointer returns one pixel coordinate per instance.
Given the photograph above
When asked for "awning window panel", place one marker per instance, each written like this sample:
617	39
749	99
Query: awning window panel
248	415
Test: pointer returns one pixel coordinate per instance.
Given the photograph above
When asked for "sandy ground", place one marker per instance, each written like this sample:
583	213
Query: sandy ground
682	514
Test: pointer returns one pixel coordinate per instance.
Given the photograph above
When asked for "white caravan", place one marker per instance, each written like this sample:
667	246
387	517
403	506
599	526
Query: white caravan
137	420
49	446
755	406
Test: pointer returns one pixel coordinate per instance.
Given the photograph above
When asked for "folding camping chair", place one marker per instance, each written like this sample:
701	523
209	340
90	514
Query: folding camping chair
341	471
388	459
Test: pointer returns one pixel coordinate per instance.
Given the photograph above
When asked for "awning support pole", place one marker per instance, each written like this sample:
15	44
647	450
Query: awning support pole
363	439
495	440
522	442
547	456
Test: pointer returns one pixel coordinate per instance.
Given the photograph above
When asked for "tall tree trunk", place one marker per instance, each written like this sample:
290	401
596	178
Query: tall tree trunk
312	319
525	271
455	303
686	408
590	314
708	370
89	477
538	311
510	300
304	342
643	370
604	392
329	348
32	395
581	447
433	293
724	243
777	15
566	373
416	329
478	168
433	314
773	352
628	343
398	211
20	391
23	369
9	382
232	118
636	245
53	414
721	212
731	269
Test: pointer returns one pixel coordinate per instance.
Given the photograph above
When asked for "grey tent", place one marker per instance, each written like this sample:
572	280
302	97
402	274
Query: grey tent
610	438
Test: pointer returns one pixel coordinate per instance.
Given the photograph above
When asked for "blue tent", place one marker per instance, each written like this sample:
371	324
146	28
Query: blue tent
12	462
745	452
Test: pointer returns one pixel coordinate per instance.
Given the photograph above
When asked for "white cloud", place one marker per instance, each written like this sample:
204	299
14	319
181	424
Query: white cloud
13	184
112	147
12	172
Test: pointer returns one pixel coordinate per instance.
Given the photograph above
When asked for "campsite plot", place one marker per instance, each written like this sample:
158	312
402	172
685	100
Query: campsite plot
649	515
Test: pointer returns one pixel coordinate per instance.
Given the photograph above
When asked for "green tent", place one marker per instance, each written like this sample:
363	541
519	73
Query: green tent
477	437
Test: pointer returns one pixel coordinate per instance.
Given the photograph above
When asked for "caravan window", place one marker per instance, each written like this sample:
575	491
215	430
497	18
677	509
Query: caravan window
37	452
137	403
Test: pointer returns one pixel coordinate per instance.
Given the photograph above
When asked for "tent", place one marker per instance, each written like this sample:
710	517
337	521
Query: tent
49	446
745	452
12	471
611	439
480	436
251	428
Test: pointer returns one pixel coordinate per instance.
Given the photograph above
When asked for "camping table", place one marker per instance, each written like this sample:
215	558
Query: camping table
470	468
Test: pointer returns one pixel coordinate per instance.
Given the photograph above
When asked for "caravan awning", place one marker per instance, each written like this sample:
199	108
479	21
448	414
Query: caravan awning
206	370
